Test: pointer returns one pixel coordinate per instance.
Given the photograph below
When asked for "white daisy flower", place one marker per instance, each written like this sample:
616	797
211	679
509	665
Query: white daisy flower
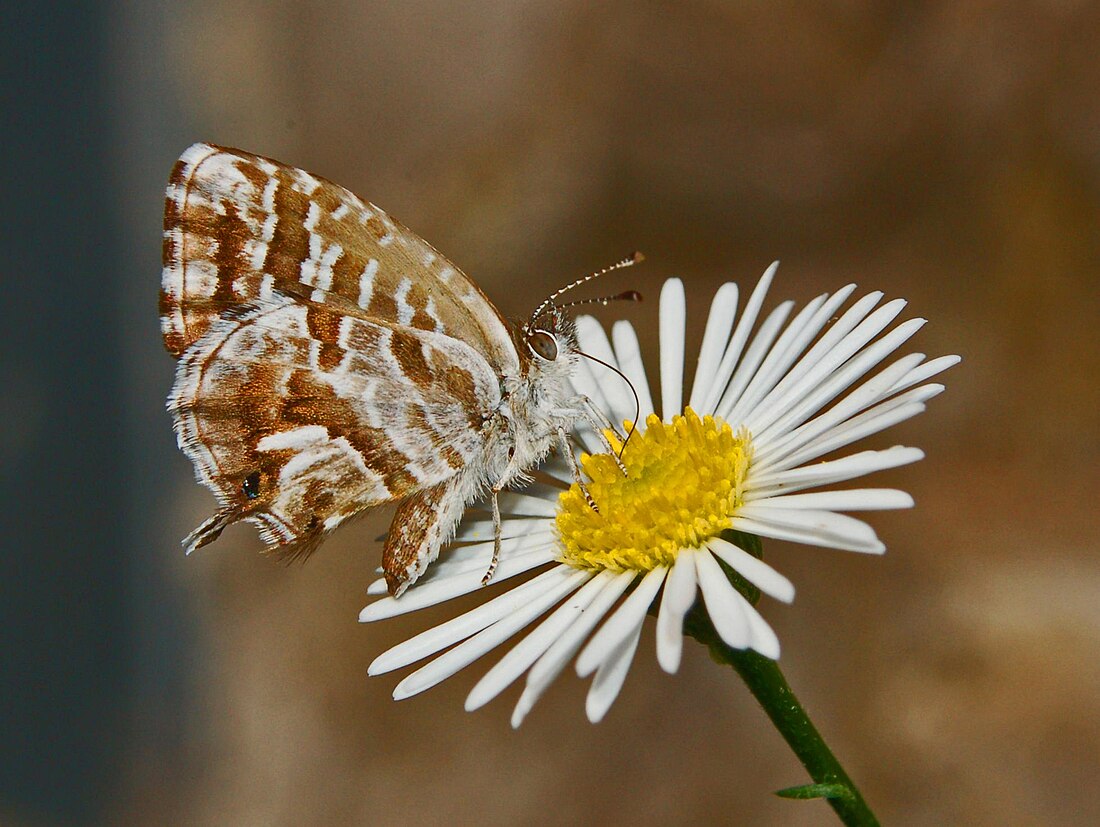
762	411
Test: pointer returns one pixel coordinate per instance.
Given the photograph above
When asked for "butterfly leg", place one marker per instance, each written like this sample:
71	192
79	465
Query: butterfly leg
496	538
495	494
567	451
599	422
509	472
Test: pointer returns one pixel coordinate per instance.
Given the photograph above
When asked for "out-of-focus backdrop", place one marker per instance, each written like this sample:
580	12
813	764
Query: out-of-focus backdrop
947	153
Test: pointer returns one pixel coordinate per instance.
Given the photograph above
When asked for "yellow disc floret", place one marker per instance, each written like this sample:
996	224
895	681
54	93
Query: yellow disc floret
684	482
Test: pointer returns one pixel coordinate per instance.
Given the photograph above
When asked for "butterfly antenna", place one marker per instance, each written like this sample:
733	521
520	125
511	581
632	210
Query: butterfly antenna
627	296
637	402
629	261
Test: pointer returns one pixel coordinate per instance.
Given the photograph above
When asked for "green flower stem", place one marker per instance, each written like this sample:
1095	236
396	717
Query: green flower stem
767	684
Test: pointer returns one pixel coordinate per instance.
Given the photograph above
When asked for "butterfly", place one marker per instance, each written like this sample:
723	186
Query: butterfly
330	361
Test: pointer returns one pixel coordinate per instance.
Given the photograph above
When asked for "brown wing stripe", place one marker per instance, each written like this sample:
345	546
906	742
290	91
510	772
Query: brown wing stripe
310	402
232	234
409	353
289	245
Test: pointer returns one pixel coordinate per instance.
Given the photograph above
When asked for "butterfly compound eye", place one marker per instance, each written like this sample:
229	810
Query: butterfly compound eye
543	345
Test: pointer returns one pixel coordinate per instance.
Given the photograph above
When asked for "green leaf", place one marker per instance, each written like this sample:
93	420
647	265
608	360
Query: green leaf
808	791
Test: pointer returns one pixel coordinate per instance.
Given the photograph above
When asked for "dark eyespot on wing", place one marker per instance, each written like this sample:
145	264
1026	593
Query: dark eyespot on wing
251	485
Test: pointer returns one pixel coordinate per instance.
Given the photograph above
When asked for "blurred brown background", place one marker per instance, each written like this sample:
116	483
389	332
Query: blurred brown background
947	153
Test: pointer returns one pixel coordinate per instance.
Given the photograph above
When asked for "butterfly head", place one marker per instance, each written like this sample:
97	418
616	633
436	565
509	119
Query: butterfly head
548	335
547	342
543	345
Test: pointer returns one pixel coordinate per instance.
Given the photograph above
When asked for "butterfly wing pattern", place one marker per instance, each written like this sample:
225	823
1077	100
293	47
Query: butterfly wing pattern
329	360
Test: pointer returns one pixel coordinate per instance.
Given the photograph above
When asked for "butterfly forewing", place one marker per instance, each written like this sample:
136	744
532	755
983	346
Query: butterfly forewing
239	227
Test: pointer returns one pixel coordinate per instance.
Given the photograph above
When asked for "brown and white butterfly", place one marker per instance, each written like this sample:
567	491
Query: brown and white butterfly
330	360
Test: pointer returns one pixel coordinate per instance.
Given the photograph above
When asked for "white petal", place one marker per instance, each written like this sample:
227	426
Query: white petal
551	663
780	397
678	597
790	344
483	530
753	569
477	559
779	434
791	432
836	331
470	650
610	677
585	383
561	477
625	620
735	619
810	535
629	354
462	559
457	560
827	523
672	347
852	499
777	411
928	370
437	591
837	470
723	311
528	650
722	601
764	639
737	341
879	418
593	340
584	380
525	505
756	353
459	628
524	705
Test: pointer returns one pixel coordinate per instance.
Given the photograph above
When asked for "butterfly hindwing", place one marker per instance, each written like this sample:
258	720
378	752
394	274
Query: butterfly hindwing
298	416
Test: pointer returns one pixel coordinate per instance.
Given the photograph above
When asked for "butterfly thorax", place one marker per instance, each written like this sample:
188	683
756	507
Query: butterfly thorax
535	402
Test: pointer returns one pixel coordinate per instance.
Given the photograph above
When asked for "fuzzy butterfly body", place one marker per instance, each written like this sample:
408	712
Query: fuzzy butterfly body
330	360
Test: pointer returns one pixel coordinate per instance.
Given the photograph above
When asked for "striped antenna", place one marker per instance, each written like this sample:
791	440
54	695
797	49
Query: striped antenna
626	296
629	261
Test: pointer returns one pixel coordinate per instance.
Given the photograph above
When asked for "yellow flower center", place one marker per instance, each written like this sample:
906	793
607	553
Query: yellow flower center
684	482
